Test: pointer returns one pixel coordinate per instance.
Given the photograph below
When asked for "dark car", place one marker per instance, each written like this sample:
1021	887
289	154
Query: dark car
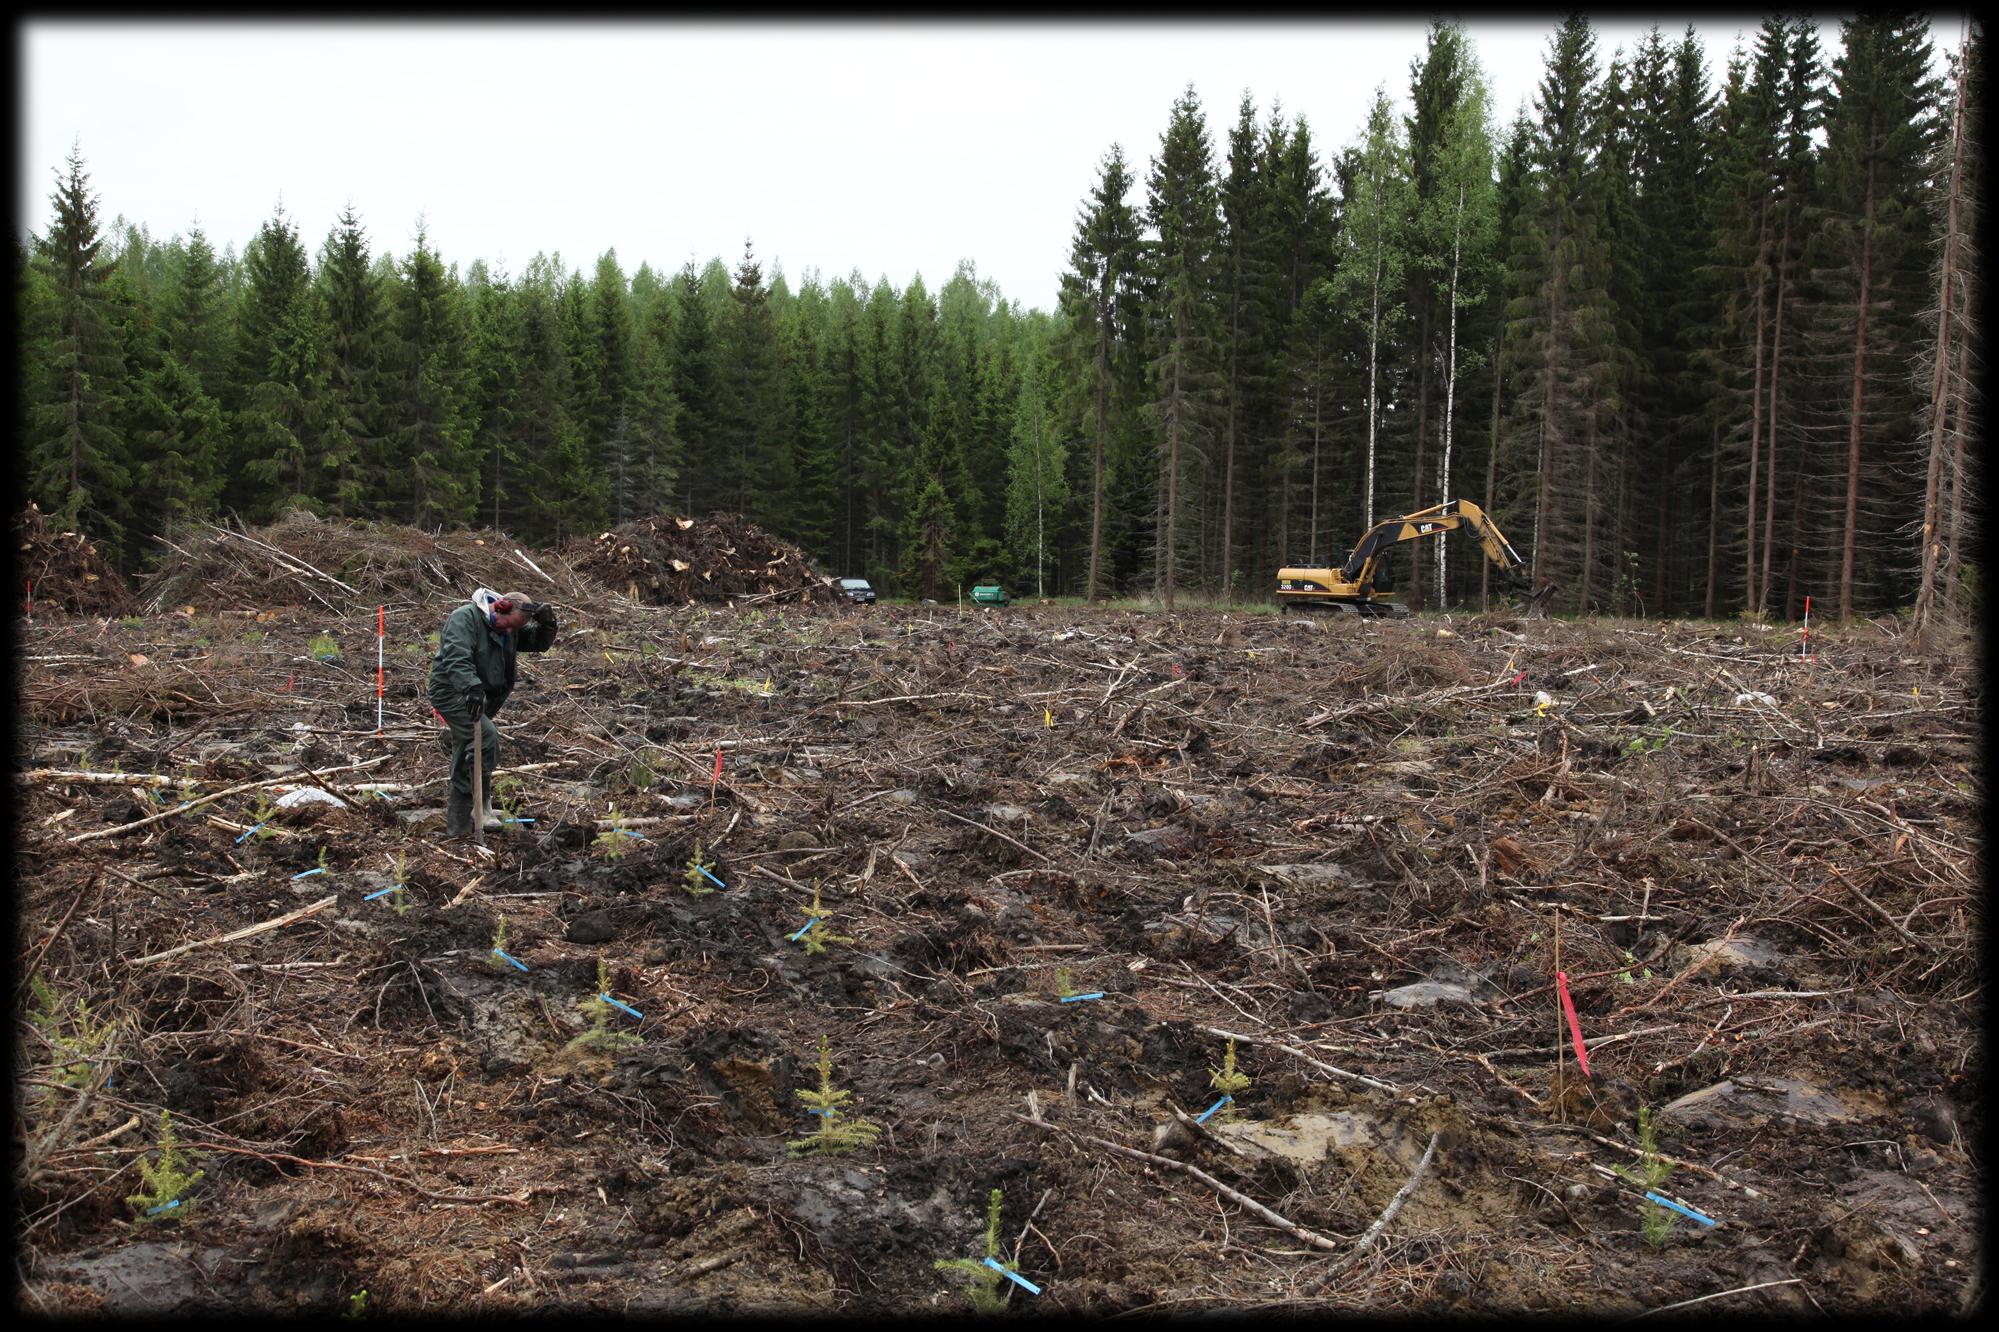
856	589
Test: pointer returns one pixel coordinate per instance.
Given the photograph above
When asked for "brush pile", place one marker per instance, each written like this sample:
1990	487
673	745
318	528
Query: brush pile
304	559
65	569
665	560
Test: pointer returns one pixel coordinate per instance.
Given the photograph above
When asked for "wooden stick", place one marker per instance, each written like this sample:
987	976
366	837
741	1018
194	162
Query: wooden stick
1296	1053
287	780
1387	1215
997	833
1310	1237
261	928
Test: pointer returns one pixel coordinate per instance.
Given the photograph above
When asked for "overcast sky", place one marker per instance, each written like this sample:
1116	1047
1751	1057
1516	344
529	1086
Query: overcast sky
892	148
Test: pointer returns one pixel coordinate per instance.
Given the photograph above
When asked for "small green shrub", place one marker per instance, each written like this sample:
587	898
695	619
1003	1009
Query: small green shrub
1228	1080
80	1041
166	1179
613	838
986	1292
817	934
1654	1221
696	880
493	959
323	648
836	1132
601	1035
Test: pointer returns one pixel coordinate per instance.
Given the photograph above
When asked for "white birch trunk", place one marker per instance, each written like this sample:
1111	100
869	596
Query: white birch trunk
1450	386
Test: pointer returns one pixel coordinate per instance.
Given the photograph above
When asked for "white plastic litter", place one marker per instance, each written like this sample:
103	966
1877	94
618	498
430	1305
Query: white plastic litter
305	795
1755	696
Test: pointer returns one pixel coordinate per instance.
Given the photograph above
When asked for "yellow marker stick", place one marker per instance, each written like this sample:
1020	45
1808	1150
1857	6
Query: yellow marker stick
1048	717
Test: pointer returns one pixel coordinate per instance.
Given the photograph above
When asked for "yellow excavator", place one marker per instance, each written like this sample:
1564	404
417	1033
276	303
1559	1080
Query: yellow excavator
1356	587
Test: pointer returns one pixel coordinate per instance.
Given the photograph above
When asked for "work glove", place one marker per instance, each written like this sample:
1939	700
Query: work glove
543	615
475	701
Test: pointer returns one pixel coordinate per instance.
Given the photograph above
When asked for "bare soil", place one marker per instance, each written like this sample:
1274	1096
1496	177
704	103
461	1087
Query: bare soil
1355	846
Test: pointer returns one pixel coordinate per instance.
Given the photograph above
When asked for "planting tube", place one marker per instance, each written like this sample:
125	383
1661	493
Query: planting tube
808	925
1202	1118
627	1007
1014	1277
516	961
711	878
1079	998
1683	1211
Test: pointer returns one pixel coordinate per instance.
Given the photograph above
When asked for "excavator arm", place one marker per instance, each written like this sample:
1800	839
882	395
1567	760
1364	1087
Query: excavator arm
1439	518
1353	583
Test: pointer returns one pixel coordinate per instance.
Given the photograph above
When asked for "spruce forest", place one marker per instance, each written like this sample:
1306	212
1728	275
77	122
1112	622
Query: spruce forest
1698	329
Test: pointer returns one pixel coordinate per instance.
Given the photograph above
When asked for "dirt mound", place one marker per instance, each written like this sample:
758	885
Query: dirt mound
665	560
339	562
65	569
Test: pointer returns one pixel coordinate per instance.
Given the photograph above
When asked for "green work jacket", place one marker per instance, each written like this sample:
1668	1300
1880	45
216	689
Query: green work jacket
471	652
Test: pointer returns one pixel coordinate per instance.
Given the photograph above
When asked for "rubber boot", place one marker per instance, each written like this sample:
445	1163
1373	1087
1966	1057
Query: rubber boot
489	817
458	815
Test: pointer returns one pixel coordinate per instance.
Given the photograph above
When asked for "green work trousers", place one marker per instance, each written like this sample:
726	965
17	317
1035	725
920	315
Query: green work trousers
459	718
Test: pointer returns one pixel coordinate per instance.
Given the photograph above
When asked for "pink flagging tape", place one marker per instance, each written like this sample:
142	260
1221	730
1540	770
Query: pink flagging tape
1575	1027
718	766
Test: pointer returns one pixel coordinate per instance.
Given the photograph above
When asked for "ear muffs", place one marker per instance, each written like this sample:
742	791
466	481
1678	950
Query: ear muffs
501	606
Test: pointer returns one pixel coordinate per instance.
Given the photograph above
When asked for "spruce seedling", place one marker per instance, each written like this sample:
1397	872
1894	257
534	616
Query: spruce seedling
816	934
357	1305
601	1035
1654	1222
613	838
261	816
493	959
79	1041
1064	986
166	1179
836	1132
985	1292
399	899
323	647
696	876
1227	1080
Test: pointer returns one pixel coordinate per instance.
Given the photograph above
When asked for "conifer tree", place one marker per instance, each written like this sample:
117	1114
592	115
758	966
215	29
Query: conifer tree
1186	383
281	350
1881	135
427	394
1099	304
78	469
362	473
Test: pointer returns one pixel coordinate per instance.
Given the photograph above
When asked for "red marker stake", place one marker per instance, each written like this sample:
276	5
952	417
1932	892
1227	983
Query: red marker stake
716	779
381	622
1575	1027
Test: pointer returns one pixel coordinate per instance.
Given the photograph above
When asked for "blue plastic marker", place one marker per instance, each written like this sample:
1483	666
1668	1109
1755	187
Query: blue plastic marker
1079	998
627	1007
164	1207
384	893
1015	1277
246	836
711	878
516	961
808	925
1203	1117
517	820
637	837
319	869
1683	1211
